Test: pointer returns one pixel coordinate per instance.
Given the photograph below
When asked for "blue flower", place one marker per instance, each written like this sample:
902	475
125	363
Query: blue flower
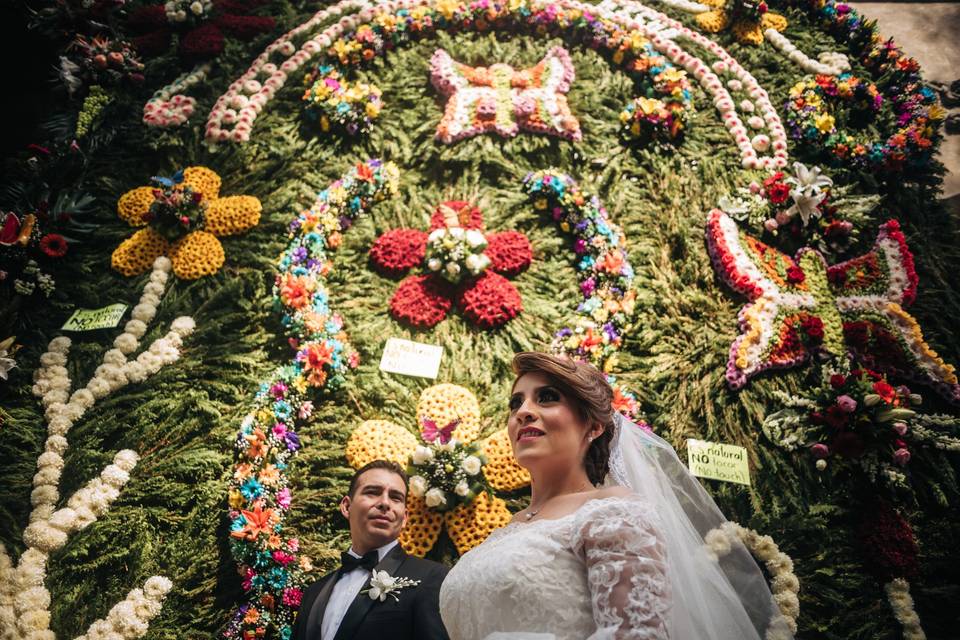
251	489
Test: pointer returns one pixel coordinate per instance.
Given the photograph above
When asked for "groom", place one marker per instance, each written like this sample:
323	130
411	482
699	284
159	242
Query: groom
333	608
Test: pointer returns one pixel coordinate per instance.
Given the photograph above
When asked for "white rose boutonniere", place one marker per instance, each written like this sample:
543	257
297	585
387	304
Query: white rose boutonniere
382	584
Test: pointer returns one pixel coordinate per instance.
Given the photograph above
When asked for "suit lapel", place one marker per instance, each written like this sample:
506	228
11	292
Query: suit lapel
362	604
319	605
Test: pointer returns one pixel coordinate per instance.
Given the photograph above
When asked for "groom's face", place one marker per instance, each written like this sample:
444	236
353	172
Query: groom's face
377	510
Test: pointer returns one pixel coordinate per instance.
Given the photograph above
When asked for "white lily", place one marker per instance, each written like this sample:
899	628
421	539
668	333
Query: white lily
382	584
806	191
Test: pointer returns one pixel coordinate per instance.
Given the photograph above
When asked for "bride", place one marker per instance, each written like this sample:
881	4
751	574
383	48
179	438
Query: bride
625	560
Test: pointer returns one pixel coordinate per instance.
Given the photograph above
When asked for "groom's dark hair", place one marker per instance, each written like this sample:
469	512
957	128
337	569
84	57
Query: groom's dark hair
388	465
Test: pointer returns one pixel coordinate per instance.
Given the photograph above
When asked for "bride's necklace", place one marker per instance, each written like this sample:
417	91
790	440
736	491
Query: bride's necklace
532	513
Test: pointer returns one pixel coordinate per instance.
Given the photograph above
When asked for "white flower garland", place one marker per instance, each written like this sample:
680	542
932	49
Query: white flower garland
24	600
169	107
831	63
783	582
898	595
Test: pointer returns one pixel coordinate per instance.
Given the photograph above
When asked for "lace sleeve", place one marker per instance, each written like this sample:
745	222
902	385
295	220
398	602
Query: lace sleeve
625	558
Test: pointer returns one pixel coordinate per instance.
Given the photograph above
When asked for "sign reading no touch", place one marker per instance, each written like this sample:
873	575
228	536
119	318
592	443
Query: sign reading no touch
717	461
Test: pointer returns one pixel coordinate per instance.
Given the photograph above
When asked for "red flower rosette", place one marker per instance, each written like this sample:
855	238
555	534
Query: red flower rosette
490	301
509	252
421	301
398	250
202	43
244	27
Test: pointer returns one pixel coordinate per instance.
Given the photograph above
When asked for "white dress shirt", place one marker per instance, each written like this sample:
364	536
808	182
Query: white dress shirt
344	592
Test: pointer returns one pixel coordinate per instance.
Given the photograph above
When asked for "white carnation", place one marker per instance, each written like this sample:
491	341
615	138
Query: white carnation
433	264
435	498
462	488
157	587
31	571
99	387
35	620
136	328
183	326
52	358
73	412
83	397
50	459
135	372
114	476
59	426
162	265
150	299
44	634
32	598
475	239
154	289
64	519
44	494
46	475
42	512
56	444
126	459
54	410
418	486
144	312
114	356
126	343
85	516
60	344
471	464
42	536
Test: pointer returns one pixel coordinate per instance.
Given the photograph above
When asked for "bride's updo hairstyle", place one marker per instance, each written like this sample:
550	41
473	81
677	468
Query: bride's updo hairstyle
588	390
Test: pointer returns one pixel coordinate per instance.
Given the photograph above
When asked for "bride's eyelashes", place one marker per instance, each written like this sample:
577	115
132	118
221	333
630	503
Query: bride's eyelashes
545	395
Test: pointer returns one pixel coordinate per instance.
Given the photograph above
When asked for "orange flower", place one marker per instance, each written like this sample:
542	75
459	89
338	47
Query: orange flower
252	615
256	522
313	321
257	442
613	262
364	172
296	291
242	471
269	474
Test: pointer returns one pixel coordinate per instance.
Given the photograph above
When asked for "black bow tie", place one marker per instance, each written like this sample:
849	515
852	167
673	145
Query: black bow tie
350	562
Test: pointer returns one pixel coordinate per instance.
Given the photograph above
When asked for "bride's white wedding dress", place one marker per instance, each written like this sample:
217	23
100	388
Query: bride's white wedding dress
598	573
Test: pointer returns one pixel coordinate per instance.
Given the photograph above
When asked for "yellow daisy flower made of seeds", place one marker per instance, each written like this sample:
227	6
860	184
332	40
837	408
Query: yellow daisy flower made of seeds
746	32
468	524
197	254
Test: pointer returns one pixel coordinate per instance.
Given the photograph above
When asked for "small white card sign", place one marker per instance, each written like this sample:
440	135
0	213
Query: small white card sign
90	319
716	461
411	358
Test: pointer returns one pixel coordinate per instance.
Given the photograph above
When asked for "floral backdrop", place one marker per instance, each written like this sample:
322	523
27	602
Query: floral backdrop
730	207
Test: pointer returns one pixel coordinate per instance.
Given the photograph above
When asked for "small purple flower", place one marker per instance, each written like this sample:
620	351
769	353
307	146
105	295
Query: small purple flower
284	498
278	390
280	430
610	330
292	440
588	286
564	333
579	246
847	404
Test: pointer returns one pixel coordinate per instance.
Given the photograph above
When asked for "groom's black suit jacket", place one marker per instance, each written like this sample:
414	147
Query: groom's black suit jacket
415	617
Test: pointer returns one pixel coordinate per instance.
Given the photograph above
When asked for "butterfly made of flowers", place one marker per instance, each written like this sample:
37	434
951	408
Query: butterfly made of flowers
800	306
486	298
503	100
